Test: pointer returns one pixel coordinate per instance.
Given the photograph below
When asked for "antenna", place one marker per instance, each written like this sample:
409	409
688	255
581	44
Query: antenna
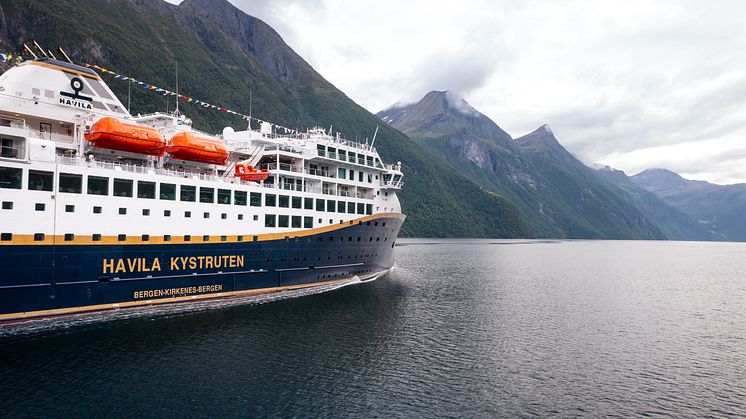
65	54
52	55
330	129
176	112
374	137
29	50
251	88
40	49
129	91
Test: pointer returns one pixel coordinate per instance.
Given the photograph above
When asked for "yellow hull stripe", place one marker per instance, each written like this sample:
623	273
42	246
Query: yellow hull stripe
59	239
127	304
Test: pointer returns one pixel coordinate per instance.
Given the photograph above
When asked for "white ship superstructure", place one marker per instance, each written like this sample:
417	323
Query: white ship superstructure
60	188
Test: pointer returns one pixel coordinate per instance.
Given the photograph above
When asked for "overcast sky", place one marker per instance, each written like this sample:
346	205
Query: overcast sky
632	84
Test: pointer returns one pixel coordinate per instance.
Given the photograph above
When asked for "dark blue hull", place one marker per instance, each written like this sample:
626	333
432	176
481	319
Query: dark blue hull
41	280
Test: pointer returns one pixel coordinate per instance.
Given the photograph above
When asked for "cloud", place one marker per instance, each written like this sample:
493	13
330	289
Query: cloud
627	83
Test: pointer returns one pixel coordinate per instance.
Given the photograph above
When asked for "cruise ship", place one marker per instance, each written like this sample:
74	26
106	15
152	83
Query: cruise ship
102	209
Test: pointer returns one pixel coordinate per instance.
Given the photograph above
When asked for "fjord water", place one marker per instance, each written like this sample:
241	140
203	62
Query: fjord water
469	328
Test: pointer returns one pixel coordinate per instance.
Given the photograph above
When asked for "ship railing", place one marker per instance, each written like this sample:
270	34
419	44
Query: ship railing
283	166
344	193
285	148
12	122
137	168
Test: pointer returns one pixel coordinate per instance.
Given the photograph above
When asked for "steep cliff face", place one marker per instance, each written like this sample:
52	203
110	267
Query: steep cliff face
222	55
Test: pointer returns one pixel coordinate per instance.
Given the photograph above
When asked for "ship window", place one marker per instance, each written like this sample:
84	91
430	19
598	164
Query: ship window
352	175
122	237
352	157
145	237
342	155
40	206
98	185
166	213
307	222
369	160
145	189
320	205
6	237
122	187
330	205
96	237
187	238
295	221
283	221
69	183
7	148
239	198
297	202
69	208
341	206
40	181
206	215
256	217
360	208
239	238
255	199
99	105
370	178
36	91
49	94
122	211
223	216
269	220
350	207
270	200
369	209
167	238
341	173
240	216
69	237
188	193
145	212
207	195
7	205
187	214
223	238
97	210
39	237
308	203
206	238
284	201
168	191
224	196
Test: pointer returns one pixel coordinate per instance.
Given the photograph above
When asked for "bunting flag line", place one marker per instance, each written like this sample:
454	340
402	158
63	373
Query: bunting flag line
17	59
198	102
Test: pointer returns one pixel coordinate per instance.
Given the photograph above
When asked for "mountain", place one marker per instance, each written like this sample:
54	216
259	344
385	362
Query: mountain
675	224
224	56
721	208
555	192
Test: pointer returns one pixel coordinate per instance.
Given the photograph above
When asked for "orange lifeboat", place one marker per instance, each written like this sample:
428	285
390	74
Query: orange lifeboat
248	172
187	146
116	135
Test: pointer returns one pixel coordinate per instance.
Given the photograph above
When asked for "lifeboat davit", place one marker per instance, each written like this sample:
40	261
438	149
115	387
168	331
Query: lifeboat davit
248	172
117	135
187	146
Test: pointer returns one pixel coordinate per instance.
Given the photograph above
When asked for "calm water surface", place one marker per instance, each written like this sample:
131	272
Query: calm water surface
460	328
